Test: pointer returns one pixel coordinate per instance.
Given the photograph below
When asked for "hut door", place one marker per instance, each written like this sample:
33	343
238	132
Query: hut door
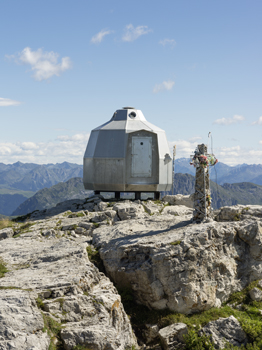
141	156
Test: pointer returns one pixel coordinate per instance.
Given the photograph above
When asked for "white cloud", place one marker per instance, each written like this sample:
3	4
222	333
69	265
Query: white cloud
166	85
64	148
228	121
43	64
259	121
168	42
5	102
228	155
96	39
185	148
132	33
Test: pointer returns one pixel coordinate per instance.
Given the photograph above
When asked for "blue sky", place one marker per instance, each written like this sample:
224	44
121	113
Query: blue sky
191	66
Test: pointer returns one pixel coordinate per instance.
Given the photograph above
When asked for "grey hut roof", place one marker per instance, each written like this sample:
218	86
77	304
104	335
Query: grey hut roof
122	122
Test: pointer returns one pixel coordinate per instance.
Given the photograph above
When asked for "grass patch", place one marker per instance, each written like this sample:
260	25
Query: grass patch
25	227
53	329
3	269
80	347
249	317
96	224
175	243
243	296
40	304
9	287
4	223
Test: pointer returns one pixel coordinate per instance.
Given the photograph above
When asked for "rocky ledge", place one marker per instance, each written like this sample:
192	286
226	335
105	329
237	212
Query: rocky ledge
52	295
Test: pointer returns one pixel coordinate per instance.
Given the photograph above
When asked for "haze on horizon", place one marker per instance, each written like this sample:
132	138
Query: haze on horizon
191	67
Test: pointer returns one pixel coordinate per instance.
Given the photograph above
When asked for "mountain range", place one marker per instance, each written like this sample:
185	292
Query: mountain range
49	197
222	173
21	181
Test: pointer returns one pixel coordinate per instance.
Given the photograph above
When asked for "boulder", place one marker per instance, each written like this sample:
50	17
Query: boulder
225	330
129	210
177	210
172	263
151	332
179	199
172	337
256	294
6	233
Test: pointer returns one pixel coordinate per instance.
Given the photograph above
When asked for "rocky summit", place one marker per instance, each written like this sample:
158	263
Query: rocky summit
52	296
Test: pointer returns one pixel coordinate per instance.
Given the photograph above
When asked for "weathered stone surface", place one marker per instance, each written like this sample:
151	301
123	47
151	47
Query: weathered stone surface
256	294
172	337
171	263
179	199
177	210
151	332
21	321
129	210
151	208
6	233
225	330
78	294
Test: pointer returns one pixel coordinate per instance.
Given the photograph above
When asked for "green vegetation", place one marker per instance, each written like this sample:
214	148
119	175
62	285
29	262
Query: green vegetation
80	214
96	224
4	223
196	342
249	317
53	329
25	227
175	243
3	269
40	304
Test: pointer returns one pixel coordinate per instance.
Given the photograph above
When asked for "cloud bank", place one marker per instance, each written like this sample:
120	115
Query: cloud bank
5	102
64	148
227	121
166	85
228	155
43	64
132	33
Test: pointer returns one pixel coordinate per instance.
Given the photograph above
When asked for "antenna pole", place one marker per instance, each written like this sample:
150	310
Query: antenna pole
173	172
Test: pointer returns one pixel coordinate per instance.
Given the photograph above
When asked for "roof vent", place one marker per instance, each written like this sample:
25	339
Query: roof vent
128	107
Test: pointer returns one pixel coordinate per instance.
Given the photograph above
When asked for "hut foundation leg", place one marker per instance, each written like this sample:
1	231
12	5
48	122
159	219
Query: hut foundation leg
97	192
117	195
156	195
137	195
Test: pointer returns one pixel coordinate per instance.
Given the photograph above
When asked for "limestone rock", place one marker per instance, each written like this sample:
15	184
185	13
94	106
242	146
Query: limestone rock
73	291
172	263
172	337
6	233
21	321
225	330
179	199
151	332
152	208
129	210
256	294
178	210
